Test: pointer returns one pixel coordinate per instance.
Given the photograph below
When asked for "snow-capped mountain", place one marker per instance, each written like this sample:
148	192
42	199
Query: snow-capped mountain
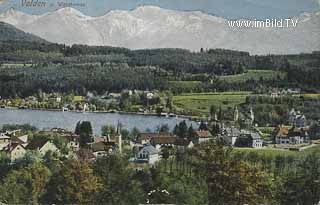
154	27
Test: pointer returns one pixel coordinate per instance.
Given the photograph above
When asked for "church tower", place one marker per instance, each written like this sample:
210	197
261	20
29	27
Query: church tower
236	114
251	115
119	137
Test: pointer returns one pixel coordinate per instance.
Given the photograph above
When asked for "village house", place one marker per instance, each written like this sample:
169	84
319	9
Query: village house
15	151
42	146
182	144
145	138
299	135
286	135
297	119
281	135
201	136
230	135
85	155
107	145
148	154
97	139
100	149
257	141
249	139
13	144
163	141
17	136
73	144
4	140
73	140
17	140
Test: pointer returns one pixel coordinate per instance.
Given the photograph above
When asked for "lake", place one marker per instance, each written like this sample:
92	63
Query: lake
67	120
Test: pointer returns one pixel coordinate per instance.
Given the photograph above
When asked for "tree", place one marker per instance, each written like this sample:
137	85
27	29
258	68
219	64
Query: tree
309	175
108	130
220	113
24	186
315	131
230	180
125	134
84	129
52	161
176	130
163	128
73	184
23	127
190	132
118	187
77	130
213	111
203	126
134	133
5	162
243	142
181	130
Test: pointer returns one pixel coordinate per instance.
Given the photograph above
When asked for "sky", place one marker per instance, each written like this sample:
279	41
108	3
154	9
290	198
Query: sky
230	9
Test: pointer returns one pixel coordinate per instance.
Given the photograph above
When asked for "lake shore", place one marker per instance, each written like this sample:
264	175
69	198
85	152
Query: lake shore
188	117
46	119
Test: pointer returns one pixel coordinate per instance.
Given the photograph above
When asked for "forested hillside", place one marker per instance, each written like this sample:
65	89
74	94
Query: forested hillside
10	33
60	68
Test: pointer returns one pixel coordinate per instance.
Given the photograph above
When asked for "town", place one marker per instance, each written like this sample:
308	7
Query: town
148	147
152	150
90	116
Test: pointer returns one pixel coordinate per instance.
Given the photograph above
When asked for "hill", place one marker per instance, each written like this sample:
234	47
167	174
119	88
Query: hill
11	33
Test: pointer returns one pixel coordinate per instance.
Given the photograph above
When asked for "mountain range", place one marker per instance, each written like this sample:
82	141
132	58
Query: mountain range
155	27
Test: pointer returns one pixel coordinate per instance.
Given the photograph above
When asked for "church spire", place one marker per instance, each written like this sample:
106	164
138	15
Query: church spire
251	115
119	137
236	114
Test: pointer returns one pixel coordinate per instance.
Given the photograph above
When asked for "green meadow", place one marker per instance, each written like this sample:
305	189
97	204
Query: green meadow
199	103
254	75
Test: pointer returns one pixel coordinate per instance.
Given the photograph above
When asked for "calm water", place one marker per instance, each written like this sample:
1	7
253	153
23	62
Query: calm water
68	120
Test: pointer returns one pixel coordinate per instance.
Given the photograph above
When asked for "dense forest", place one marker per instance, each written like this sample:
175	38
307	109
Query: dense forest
79	78
29	66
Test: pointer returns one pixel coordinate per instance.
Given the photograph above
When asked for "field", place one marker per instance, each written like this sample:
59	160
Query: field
254	75
15	65
311	95
199	103
272	153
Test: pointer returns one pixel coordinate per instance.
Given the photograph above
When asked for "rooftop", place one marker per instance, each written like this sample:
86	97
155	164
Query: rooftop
150	149
36	144
163	140
202	134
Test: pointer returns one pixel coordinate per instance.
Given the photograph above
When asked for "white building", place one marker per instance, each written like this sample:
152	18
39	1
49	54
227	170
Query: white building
297	119
201	137
284	135
257	141
148	154
15	151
